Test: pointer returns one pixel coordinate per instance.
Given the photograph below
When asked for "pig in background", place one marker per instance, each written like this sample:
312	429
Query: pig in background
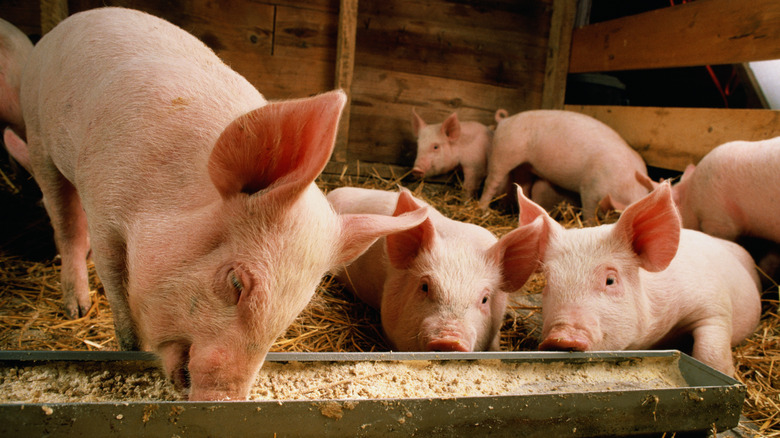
569	150
206	228
441	286
642	282
443	147
15	48
734	191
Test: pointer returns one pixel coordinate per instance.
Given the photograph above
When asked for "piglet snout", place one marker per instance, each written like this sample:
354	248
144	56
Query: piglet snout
418	172
449	343
564	341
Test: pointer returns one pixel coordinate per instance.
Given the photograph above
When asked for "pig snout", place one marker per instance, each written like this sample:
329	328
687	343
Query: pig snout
565	340
448	343
418	172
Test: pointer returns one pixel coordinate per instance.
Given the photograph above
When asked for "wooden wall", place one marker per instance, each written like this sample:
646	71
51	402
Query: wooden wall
703	32
438	56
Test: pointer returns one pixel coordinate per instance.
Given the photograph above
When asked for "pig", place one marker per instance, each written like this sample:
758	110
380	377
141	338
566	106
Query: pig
734	191
441	286
444	146
570	150
642	282
17	148
198	196
15	48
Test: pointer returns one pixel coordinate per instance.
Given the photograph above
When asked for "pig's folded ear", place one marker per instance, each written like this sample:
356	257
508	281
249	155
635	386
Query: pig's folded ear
280	147
529	210
403	246
360	231
652	227
520	252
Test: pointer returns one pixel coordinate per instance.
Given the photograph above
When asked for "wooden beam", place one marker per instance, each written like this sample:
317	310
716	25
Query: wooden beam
558	44
345	67
52	12
703	32
672	138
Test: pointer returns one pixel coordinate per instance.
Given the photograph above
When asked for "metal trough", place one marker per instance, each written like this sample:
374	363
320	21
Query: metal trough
708	399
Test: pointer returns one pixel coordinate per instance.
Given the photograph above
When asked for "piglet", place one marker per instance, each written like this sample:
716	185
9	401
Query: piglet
642	282
207	230
441	286
15	47
570	150
445	146
734	191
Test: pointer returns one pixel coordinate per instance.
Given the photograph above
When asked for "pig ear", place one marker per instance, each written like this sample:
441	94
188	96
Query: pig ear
280	147
607	203
645	181
450	128
403	247
360	231
520	252
529	210
417	123
652	227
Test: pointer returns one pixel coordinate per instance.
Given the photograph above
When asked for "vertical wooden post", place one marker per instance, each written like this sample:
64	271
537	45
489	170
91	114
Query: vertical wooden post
52	12
345	66
558	49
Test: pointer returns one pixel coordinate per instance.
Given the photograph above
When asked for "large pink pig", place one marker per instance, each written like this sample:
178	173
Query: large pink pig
570	150
207	231
445	146
642	283
441	286
15	47
734	191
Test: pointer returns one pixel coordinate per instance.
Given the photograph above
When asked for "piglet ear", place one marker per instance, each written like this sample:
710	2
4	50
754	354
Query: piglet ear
450	128
280	147
403	247
520	252
417	123
652	227
529	210
360	231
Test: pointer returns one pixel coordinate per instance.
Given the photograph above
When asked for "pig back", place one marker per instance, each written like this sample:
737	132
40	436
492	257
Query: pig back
116	97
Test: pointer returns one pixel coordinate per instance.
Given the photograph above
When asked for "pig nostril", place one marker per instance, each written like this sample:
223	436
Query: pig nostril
447	345
563	344
418	172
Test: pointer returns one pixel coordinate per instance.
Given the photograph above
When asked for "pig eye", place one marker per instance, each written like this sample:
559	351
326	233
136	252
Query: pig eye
236	285
485	299
424	286
611	280
435	147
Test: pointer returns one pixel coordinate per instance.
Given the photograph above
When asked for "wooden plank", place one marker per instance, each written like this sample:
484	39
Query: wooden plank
672	138
696	33
52	12
345	66
496	43
305	33
558	45
382	102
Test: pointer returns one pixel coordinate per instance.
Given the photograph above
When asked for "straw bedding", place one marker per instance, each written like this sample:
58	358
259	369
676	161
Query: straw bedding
31	315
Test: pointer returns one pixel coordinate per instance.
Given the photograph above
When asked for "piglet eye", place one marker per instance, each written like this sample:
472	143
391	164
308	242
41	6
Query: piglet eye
236	285
485	299
610	280
424	286
435	147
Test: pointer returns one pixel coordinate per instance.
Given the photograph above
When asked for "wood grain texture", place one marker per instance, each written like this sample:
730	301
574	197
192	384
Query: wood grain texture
345	67
672	138
696	33
558	52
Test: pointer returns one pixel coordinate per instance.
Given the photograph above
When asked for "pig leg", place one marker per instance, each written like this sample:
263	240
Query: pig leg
110	263
712	345
471	181
70	234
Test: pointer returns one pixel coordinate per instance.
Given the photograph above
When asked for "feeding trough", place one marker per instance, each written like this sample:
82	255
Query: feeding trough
534	394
